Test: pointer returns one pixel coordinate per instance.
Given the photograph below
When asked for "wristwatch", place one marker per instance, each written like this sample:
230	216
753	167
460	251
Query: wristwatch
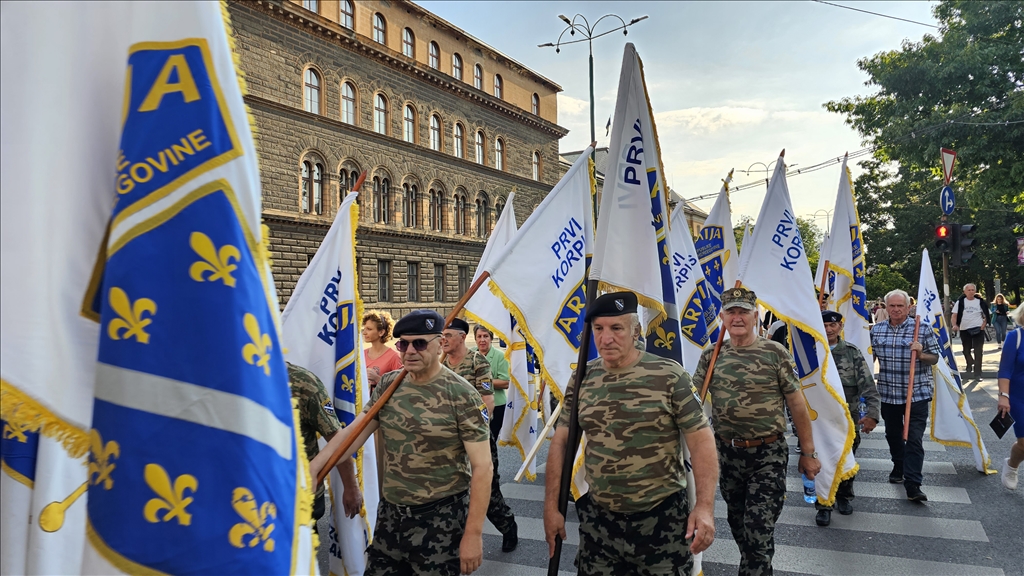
1005	395
812	455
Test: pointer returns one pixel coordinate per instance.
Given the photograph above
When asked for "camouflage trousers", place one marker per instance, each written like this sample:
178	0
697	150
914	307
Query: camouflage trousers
845	490
418	540
650	543
753	485
498	512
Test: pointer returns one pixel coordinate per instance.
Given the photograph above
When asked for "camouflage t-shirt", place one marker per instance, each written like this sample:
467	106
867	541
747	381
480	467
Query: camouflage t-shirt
632	417
476	370
316	413
857	379
424	425
748	388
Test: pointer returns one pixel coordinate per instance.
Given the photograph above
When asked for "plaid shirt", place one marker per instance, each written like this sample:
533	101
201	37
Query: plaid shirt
891	346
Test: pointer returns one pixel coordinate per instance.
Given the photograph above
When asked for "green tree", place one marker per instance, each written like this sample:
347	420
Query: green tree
811	236
881	279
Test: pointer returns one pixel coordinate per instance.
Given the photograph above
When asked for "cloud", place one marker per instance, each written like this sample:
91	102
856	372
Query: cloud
706	120
569	106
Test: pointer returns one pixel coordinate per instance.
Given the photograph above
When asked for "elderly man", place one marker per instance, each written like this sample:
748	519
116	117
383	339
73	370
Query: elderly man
633	406
892	343
475	368
858	382
434	431
970	317
752	380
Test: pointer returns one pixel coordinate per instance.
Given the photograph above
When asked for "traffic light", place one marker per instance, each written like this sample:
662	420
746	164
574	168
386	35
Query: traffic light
964	242
942	237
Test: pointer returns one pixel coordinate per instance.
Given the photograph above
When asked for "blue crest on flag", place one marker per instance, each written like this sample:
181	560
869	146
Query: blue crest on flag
664	339
932	305
194	447
18	450
858	289
710	246
699	313
805	352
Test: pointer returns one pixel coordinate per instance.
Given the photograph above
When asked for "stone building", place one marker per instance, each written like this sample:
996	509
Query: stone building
444	126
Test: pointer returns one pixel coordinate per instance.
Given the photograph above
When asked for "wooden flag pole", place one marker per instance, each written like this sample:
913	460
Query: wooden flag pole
714	357
910	385
361	426
824	279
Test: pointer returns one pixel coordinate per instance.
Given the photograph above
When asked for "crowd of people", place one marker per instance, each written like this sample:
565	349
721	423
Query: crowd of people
437	433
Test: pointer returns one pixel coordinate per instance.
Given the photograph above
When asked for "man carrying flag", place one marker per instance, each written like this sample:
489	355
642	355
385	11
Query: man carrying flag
633	408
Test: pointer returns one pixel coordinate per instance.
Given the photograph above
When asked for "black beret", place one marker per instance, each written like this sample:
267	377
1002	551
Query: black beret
459	324
419	322
831	316
614	304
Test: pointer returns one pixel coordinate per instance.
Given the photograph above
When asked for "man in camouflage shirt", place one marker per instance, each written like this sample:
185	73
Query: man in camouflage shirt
316	416
752	379
858	382
633	406
434	430
476	369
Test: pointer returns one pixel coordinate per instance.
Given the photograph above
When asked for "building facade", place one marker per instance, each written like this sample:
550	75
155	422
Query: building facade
444	126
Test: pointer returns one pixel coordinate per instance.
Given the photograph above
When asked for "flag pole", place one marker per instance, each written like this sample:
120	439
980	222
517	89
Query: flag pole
910	385
824	278
372	413
714	358
536	445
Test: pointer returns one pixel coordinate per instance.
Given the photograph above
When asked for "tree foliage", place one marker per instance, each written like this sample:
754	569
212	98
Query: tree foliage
962	89
885	279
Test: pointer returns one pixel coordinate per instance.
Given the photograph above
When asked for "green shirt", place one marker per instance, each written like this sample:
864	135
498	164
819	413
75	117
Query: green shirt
316	413
499	371
424	426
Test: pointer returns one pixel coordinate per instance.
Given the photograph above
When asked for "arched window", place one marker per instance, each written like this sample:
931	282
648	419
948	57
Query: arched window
311	5
380	114
498	86
435	55
460	141
459	213
307	170
433	209
457	66
483	215
479	147
409	208
535	105
348	103
499	207
347	15
408	43
478	77
381	200
311	91
499	154
344	184
380	29
435	132
409	124
318	189
535	162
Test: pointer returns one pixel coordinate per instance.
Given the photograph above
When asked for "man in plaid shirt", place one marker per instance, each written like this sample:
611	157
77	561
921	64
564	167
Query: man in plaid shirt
892	342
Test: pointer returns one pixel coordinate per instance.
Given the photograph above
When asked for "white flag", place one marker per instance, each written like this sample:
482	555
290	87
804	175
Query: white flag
520	426
716	247
778	271
485	307
698	321
321	331
747	230
845	257
952	423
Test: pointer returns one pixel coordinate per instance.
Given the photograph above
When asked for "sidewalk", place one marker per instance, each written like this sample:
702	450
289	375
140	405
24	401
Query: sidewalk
989	368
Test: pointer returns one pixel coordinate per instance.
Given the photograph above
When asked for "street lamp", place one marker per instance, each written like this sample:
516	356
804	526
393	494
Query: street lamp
767	170
828	216
580	24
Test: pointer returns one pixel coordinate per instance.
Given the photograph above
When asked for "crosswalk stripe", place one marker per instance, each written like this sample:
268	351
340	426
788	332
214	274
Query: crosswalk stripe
876	523
533	529
884	465
492	568
893	491
872	444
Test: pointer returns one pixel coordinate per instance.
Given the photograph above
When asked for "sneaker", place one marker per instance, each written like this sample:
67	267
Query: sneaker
896	476
1009	475
844	507
823	518
510	540
914	493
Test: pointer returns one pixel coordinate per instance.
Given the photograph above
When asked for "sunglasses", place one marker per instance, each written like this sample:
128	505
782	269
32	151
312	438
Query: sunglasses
419	344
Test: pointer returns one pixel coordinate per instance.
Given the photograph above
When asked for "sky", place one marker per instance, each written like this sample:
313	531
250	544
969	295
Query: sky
731	83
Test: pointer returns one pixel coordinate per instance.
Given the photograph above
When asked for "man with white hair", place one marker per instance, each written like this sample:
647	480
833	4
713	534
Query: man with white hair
970	317
892	343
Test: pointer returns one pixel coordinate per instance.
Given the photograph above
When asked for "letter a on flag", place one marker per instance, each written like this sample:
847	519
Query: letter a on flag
952	423
321	330
698	317
776	268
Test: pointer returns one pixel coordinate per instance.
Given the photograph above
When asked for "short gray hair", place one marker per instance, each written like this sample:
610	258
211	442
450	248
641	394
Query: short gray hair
898	292
1017	315
972	285
634	323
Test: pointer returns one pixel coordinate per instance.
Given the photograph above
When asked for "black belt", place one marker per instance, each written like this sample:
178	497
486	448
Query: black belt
736	443
429	506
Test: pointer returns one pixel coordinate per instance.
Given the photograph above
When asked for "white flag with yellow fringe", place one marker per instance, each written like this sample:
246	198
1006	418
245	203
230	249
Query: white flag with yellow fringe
776	268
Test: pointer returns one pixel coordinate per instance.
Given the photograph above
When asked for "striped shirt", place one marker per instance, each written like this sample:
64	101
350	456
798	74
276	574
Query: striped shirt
891	346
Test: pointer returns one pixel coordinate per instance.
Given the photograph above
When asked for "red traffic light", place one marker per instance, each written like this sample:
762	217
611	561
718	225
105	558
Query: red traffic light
943	235
942	231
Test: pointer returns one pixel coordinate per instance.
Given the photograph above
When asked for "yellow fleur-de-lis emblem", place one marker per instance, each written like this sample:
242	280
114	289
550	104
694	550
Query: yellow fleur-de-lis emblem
131	320
100	460
258	351
170	498
664	340
215	263
257	526
15	431
665	259
347	384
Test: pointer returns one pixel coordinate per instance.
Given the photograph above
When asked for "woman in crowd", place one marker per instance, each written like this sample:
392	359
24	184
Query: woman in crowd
1000	311
1011	395
380	358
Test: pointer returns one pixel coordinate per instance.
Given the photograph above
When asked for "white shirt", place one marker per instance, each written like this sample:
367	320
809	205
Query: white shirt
972	316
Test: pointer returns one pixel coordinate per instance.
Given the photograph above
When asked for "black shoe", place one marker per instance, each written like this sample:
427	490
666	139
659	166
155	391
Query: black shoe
914	493
823	518
510	540
896	476
844	507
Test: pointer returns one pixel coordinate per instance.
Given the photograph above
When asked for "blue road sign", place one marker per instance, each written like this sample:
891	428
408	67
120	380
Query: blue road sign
947	201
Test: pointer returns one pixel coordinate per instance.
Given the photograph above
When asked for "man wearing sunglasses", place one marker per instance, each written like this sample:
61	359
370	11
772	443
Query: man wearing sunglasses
434	429
475	368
